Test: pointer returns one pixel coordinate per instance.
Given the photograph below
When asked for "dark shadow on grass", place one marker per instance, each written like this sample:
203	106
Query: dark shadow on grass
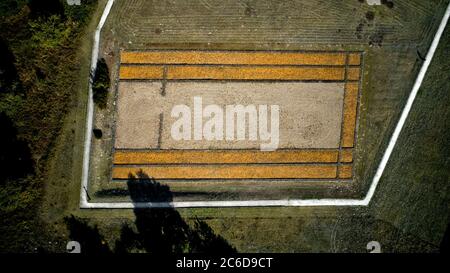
124	192
15	155
45	8
163	230
111	192
89	237
9	78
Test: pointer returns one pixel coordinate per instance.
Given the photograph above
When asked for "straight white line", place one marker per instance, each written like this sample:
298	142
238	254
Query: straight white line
256	203
199	204
90	106
407	108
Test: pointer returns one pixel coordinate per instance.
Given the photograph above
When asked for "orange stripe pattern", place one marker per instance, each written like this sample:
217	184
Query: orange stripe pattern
244	171
230	57
224	156
190	72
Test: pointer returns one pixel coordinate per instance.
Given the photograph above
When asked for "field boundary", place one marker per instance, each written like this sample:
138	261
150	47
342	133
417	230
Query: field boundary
85	204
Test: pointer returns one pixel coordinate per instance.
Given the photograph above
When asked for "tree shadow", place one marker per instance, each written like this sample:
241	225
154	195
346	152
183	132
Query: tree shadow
45	8
119	192
89	237
9	78
15	155
163	230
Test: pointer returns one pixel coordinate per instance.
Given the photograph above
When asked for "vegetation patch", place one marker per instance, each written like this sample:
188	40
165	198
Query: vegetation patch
101	82
38	47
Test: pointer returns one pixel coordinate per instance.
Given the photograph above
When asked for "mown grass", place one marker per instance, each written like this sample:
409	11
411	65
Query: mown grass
410	210
417	178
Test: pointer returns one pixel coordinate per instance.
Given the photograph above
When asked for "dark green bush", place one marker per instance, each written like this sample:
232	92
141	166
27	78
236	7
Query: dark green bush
101	83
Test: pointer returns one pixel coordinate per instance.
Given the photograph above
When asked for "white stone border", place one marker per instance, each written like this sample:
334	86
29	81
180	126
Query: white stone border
90	107
85	204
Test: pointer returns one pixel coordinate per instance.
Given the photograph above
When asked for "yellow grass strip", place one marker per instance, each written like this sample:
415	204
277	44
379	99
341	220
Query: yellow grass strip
353	73
205	57
254	73
345	171
224	156
229	171
354	59
347	155
350	104
141	72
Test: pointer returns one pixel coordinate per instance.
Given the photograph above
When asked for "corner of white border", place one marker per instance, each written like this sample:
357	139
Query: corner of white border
85	204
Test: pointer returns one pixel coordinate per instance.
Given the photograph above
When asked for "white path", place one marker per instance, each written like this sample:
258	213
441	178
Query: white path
288	202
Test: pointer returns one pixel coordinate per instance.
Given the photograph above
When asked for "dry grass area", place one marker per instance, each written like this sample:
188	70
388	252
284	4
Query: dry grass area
345	171
350	110
223	156
347	155
141	72
243	57
243	171
190	72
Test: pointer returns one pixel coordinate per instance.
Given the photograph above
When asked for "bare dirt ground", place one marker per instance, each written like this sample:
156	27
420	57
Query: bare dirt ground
310	113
